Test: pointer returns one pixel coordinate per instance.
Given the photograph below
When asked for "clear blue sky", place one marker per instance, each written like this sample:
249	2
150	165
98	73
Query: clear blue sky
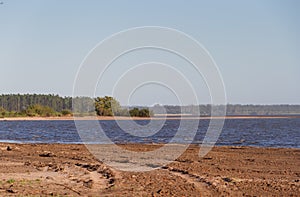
256	44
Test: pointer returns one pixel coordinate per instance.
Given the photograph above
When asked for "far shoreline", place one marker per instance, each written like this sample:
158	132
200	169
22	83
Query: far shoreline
168	117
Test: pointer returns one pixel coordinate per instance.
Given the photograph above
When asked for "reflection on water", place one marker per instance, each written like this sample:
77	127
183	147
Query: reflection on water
246	132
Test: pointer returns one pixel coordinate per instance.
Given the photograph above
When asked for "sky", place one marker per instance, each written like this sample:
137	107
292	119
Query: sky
255	44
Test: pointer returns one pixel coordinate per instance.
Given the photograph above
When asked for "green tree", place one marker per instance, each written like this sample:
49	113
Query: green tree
107	106
134	112
144	113
140	112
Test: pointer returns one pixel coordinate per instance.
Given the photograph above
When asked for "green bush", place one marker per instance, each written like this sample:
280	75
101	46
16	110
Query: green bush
135	112
2	112
66	112
39	110
144	113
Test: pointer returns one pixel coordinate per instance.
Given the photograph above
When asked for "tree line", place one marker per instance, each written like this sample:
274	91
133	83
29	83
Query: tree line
232	109
13	105
19	102
55	105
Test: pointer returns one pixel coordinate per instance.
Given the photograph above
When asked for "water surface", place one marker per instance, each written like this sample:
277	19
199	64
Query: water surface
277	132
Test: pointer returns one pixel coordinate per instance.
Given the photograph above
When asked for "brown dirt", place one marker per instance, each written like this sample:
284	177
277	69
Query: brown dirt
70	170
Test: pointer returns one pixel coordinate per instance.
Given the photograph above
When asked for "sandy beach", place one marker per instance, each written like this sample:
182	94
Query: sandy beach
169	117
70	170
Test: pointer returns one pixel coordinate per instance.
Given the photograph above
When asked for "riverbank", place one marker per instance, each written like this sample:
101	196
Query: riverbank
60	169
172	117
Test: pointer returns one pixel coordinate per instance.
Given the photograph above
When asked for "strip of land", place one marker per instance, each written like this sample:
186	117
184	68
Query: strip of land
173	117
71	170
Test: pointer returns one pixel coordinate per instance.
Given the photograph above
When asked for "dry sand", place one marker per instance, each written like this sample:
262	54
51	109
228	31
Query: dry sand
169	117
70	170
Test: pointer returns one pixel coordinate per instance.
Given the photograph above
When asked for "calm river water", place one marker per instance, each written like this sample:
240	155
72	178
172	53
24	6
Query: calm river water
277	132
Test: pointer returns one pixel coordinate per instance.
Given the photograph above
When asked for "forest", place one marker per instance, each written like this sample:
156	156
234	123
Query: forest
12	105
233	110
46	105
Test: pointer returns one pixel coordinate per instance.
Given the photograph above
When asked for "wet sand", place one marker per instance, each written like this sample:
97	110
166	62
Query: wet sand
70	170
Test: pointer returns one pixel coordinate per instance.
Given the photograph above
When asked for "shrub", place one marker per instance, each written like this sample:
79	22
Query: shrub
2	112
39	110
66	112
134	112
140	112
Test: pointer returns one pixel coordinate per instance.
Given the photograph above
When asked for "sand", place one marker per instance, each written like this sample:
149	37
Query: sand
70	170
172	117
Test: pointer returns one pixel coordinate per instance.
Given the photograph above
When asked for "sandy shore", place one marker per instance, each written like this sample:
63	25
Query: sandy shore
56	169
173	117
